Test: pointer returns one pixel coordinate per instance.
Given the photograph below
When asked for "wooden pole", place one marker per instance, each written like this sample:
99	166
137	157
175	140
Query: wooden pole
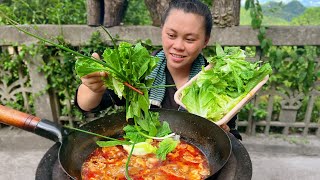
226	13
94	12
156	9
114	12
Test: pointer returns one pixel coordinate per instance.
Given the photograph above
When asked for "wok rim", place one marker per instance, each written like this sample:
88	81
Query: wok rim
182	137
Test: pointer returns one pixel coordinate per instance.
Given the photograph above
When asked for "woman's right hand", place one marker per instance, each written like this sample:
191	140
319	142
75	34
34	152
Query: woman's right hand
91	90
94	81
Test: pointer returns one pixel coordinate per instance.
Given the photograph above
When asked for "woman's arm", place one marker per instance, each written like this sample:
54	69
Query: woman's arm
90	92
88	99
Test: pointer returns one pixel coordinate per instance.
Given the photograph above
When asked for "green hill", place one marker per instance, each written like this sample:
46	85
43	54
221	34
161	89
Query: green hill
245	19
279	10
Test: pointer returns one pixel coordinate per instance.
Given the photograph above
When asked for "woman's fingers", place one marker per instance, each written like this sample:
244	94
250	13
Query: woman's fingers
95	74
94	81
96	55
225	127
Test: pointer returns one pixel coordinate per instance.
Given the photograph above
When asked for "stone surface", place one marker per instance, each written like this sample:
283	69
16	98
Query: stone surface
233	36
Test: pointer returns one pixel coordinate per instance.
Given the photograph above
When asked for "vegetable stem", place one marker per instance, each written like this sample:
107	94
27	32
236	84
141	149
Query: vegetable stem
159	86
133	88
91	133
128	160
14	24
112	39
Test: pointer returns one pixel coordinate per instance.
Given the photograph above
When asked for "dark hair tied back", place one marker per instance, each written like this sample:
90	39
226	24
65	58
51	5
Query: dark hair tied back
191	6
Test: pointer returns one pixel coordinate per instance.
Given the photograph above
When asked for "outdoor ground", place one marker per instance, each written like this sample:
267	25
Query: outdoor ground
273	157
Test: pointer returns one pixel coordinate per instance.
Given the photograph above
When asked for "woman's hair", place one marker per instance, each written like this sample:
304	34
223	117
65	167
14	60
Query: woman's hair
191	6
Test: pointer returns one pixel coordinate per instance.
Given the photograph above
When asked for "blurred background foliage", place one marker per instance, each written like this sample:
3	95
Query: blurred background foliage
74	12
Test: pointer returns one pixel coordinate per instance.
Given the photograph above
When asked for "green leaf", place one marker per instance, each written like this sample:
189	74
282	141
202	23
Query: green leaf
247	4
132	134
85	66
264	43
219	50
141	148
165	147
164	129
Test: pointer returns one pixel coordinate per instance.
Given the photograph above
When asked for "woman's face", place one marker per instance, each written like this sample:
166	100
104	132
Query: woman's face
183	38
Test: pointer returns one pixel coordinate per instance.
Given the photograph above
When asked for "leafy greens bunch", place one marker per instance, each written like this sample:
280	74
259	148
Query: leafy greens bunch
126	63
218	90
132	64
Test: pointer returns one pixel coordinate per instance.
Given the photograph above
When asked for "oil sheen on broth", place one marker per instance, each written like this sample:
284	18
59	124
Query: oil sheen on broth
185	162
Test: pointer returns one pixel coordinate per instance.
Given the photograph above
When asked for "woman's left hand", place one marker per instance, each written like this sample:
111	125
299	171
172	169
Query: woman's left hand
225	127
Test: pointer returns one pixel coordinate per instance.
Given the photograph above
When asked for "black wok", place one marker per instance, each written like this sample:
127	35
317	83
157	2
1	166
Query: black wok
76	146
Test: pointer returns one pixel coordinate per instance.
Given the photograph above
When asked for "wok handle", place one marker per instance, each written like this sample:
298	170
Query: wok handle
28	122
18	119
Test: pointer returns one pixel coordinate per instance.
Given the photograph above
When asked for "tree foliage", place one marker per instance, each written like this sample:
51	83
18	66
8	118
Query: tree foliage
245	19
284	11
45	11
137	13
310	17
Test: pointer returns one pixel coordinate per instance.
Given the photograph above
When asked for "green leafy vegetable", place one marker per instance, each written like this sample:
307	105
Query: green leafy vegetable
164	129
165	147
125	63
141	148
219	89
132	134
133	64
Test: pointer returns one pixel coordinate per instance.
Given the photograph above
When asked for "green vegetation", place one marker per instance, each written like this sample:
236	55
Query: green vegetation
74	12
293	13
245	19
218	90
310	17
45	11
137	13
286	12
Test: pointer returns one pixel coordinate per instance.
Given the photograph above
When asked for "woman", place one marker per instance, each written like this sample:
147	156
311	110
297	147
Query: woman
186	27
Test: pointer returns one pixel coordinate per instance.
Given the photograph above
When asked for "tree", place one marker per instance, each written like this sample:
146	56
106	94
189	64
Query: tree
137	13
156	9
226	13
310	17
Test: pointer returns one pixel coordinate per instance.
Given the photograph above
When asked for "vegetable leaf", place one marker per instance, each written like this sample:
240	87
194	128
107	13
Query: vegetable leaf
141	148
165	147
219	89
132	134
86	66
164	129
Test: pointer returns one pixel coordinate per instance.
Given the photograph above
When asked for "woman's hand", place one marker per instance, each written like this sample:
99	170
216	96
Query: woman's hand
225	127
94	80
91	90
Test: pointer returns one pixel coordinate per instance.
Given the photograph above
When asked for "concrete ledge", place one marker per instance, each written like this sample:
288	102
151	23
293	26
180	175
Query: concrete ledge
235	36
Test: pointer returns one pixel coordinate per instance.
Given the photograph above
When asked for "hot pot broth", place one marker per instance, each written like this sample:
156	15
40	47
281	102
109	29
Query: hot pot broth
184	162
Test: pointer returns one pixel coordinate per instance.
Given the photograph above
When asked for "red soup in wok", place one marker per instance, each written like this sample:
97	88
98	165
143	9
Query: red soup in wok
184	162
